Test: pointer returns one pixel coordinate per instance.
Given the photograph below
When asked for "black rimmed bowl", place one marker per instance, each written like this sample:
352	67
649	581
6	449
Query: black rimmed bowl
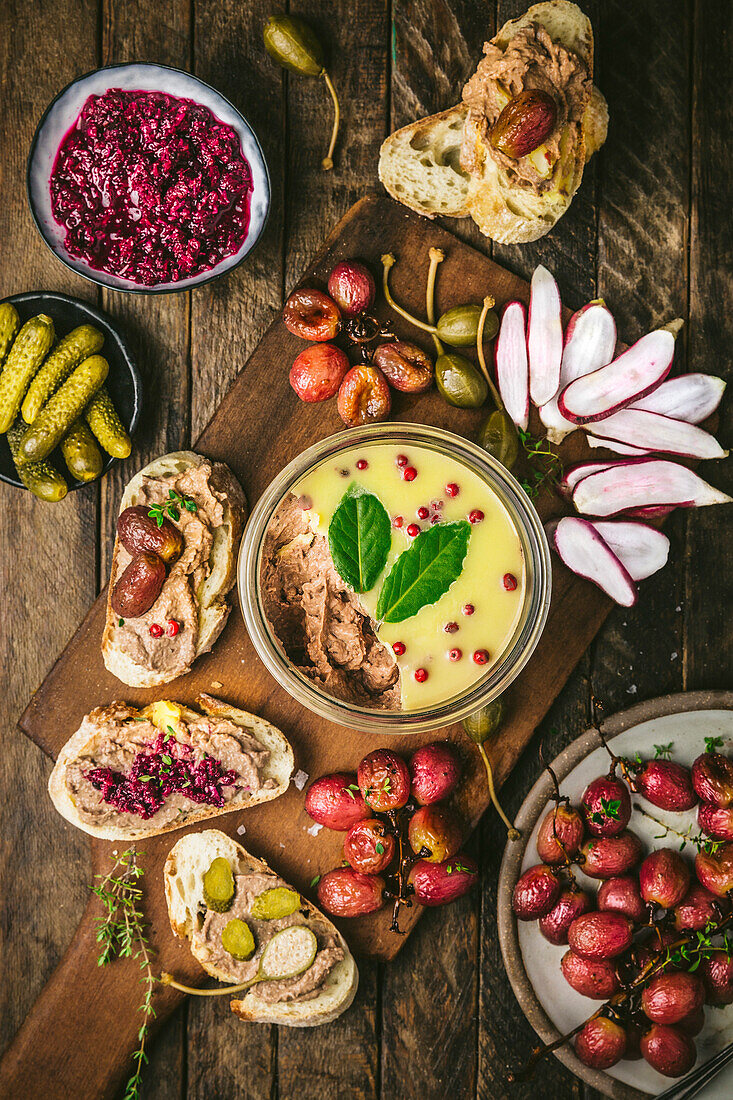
63	112
123	381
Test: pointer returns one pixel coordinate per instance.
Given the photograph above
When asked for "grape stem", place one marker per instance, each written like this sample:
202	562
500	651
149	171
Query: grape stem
327	161
437	255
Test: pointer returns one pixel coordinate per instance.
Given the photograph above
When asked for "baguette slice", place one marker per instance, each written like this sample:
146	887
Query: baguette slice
419	164
279	766
184	871
213	605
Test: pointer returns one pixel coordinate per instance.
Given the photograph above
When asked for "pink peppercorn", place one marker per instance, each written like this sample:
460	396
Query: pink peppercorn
450	628
402	460
510	582
397	521
413	529
399	648
423	512
409	473
455	654
481	656
362	464
156	630
468	609
452	489
476	515
172	628
421	675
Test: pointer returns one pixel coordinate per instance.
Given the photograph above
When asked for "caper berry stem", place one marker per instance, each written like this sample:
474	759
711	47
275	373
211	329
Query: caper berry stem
489	303
512	833
388	262
327	161
168	979
437	255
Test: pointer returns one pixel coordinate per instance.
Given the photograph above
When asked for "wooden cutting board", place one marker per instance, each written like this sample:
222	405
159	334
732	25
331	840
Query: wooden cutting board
78	1038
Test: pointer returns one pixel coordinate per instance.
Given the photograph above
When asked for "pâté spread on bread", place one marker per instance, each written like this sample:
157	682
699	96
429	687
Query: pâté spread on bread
523	101
392	577
173	564
128	773
265	913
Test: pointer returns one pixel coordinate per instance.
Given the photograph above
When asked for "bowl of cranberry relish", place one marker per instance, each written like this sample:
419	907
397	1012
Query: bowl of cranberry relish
145	179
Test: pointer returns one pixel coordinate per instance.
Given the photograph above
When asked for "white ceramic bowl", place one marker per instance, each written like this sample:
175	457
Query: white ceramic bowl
61	114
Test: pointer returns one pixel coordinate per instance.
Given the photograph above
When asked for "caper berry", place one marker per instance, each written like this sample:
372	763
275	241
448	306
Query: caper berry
498	436
459	382
486	722
458	326
294	45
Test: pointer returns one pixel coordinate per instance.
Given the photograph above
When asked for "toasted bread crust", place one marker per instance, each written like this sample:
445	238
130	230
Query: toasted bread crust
279	767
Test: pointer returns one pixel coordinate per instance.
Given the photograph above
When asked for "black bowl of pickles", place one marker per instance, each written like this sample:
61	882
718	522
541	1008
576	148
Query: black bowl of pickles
69	394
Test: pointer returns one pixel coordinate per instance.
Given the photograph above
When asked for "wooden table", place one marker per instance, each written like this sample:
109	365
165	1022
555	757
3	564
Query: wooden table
649	231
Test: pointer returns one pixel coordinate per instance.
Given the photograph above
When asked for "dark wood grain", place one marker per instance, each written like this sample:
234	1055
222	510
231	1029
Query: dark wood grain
649	230
42	594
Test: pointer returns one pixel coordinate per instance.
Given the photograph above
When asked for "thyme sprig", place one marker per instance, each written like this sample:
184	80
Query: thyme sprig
702	842
172	507
121	934
546	464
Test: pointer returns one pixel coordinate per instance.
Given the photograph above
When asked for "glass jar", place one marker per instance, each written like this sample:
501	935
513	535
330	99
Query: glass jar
530	621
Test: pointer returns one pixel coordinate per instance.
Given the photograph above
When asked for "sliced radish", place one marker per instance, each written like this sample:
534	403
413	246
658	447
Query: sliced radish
642	483
691	397
544	337
586	553
590	341
634	374
652	432
641	549
654	511
613	445
574	474
512	368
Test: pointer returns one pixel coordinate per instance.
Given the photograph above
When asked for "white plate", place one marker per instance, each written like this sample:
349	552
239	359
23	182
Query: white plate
62	114
533	964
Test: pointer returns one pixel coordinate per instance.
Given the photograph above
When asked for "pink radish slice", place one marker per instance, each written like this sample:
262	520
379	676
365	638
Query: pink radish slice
574	474
641	549
634	374
654	511
590	341
691	397
613	445
652	432
544	337
642	483
512	369
586	553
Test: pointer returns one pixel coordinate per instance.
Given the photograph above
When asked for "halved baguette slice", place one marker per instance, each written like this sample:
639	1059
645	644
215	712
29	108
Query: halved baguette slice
279	766
213	606
419	165
183	876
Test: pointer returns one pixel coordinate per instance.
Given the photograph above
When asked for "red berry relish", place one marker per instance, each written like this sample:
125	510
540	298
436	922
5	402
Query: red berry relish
150	187
167	766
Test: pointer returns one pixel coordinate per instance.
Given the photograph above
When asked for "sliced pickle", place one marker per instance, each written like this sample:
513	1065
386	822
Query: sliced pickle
276	903
290	952
219	886
237	939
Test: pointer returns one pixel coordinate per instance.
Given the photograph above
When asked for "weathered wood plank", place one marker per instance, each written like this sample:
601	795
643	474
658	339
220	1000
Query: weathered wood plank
341	1058
228	318
708	656
47	552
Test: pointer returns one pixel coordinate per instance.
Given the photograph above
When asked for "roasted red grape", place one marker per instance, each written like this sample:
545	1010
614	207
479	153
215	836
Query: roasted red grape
610	856
600	935
696	909
712	778
364	397
571	904
715	821
441	883
351	286
716	970
335	801
435	770
369	847
622	895
666	784
594	978
535	893
345	892
318	372
715	869
670	997
312	315
562	823
601	1043
606	805
664	878
405	366
668	1051
384	781
434	833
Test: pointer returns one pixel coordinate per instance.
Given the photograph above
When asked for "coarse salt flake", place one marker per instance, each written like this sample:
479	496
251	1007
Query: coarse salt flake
241	830
314	830
300	779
